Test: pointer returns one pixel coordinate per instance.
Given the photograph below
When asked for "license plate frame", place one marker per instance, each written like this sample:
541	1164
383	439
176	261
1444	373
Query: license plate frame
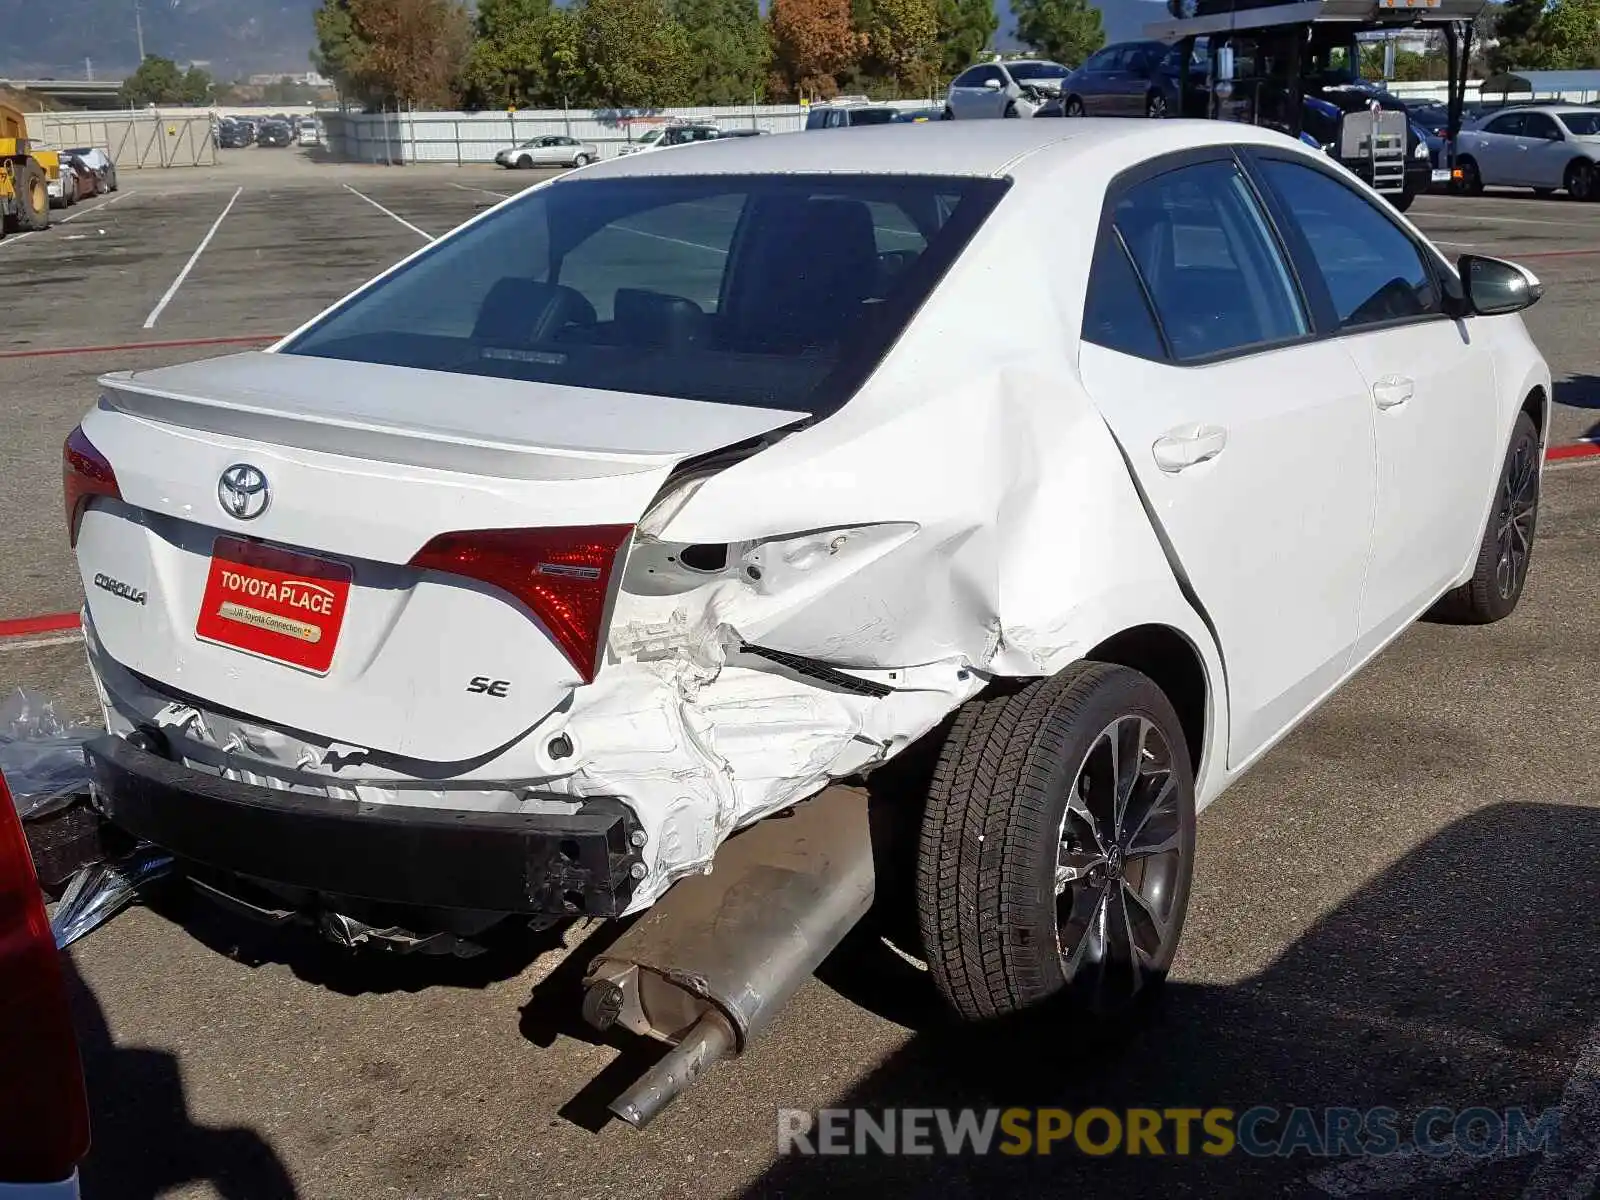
270	602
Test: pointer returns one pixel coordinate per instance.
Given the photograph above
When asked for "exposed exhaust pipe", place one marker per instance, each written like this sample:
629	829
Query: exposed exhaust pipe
708	966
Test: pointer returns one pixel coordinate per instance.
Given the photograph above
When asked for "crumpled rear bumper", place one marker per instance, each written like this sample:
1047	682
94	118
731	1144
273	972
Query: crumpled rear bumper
436	858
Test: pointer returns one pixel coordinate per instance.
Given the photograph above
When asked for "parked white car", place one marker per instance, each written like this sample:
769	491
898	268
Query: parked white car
1004	89
676	133
553	150
649	503
1544	147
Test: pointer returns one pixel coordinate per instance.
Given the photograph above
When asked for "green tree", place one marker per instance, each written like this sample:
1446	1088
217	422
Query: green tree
1570	32
635	55
1067	31
903	37
1517	29
728	47
965	28
157	81
340	47
509	66
197	87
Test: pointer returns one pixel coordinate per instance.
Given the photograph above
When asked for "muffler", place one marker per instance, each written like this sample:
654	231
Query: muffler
715	959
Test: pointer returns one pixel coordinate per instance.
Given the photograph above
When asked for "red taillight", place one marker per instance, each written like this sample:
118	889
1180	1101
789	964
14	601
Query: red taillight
563	575
44	1114
84	473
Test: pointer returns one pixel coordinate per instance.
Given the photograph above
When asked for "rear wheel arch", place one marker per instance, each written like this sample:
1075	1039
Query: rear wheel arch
1537	405
1176	666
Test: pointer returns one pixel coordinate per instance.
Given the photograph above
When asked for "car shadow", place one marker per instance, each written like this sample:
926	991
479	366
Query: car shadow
1463	976
1577	391
145	1143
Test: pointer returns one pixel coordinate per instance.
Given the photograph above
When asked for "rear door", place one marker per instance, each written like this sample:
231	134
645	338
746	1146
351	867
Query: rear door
1099	96
1430	381
1250	438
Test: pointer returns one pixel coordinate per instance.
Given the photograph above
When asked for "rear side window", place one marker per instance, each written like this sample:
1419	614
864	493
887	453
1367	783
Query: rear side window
1209	261
1116	314
872	116
1374	272
765	290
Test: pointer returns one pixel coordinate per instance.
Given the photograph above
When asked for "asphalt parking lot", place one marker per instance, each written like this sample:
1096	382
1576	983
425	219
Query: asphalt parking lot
1393	909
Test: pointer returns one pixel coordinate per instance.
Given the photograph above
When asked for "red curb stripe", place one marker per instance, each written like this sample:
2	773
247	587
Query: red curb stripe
1575	450
51	623
127	346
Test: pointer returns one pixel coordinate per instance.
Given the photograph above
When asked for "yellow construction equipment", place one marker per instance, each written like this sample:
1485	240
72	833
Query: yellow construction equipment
24	175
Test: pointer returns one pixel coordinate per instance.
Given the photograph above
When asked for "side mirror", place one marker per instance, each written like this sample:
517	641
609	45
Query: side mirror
1495	287
992	85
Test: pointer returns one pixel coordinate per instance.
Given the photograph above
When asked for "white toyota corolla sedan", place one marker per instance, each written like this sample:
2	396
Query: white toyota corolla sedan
654	500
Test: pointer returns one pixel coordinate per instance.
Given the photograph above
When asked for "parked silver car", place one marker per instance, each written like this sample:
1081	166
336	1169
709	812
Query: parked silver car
1544	147
553	150
1004	89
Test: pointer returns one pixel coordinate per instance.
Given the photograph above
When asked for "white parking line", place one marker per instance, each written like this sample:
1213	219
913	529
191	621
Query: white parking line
422	233
155	313
35	643
485	191
1494	219
661	237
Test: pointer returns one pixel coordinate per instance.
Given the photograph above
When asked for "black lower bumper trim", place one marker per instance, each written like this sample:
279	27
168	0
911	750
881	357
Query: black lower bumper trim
435	858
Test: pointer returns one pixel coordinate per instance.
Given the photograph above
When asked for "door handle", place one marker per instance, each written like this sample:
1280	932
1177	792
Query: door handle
1188	446
1392	391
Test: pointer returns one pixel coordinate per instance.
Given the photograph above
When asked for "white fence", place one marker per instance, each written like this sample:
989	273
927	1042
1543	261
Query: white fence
445	137
134	140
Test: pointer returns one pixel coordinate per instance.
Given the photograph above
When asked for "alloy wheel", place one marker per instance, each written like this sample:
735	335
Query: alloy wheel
1119	864
1074	107
1157	107
1514	519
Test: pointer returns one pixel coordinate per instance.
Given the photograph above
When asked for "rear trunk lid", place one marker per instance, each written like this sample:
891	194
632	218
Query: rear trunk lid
348	470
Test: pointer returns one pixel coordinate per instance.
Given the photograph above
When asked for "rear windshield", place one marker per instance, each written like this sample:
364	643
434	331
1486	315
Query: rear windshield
772	291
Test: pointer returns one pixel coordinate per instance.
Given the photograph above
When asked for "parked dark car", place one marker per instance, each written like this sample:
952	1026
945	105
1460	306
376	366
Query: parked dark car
1128	79
233	135
276	134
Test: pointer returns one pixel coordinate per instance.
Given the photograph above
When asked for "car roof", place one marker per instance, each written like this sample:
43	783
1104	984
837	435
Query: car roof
970	148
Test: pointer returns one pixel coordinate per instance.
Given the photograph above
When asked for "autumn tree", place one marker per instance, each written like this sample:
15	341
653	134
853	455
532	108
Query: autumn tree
414	50
728	47
814	43
904	38
634	53
965	28
1067	31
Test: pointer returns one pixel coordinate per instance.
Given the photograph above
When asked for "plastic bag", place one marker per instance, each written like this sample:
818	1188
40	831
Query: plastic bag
41	755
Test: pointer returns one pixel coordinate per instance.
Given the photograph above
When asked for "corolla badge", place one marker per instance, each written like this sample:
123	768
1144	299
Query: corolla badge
243	493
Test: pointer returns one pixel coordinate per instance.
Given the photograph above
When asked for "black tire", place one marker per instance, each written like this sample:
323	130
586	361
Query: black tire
996	833
525	163
1506	551
1155	106
948	114
1074	107
1471	177
1580	180
1402	201
581	160
31	188
1011	110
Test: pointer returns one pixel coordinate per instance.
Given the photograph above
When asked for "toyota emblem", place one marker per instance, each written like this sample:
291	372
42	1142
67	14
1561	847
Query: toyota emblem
242	492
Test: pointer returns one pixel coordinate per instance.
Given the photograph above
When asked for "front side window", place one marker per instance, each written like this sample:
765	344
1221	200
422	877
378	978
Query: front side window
1374	272
1540	125
1209	261
766	290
